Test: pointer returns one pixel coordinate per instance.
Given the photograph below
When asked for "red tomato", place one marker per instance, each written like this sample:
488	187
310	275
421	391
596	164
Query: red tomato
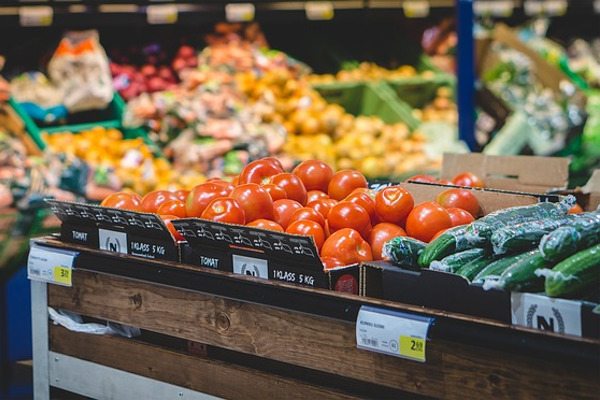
227	185
274	161
225	209
314	174
330	262
275	191
123	201
154	199
315	195
459	216
370	192
438	234
380	234
347	246
167	218
427	219
260	171
322	205
255	201
366	202
235	180
445	182
422	178
343	182
308	213
393	204
293	186
182	194
349	215
201	195
307	227
576	209
283	210
173	207
468	179
459	198
265	224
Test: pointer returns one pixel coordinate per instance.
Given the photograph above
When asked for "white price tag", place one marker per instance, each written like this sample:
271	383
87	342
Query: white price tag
416	8
36	15
533	7
497	8
50	265
319	10
241	12
160	14
391	332
251	266
555	7
545	313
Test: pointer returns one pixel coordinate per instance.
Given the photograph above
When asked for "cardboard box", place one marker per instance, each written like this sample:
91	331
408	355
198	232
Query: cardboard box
261	253
529	174
453	293
588	196
119	231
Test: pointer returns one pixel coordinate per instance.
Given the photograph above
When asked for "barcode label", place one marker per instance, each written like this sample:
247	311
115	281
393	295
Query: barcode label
370	342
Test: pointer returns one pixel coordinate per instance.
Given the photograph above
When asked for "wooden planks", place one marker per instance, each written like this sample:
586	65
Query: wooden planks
204	375
304	340
451	371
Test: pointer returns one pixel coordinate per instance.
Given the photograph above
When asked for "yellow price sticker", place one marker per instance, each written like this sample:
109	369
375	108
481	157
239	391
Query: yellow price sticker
63	275
412	347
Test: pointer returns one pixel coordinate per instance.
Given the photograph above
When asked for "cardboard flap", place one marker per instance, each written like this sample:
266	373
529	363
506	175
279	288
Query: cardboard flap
523	173
291	249
137	223
593	184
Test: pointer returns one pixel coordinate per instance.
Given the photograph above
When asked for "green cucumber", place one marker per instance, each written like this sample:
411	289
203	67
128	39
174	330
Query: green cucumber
521	276
454	262
568	240
495	269
574	274
479	232
449	242
471	269
403	250
521	237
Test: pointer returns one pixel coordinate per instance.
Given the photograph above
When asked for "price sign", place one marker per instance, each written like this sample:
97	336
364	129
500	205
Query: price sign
416	8
35	15
319	10
555	7
497	8
160	14
50	265
241	12
533	7
394	333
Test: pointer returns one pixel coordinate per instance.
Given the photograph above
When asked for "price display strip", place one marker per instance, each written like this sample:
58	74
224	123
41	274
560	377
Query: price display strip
546	7
240	12
416	8
391	332
35	15
161	14
496	8
319	10
50	265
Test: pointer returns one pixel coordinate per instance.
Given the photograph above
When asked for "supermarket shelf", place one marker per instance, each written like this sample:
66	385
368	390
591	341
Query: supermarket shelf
332	305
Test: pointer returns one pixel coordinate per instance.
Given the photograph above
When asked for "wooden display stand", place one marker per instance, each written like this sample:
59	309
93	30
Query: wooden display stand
267	339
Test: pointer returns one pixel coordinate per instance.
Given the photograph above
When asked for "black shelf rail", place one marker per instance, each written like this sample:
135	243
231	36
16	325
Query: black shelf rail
339	306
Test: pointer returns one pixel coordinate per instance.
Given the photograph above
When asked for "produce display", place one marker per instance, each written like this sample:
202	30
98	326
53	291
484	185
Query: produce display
366	71
530	248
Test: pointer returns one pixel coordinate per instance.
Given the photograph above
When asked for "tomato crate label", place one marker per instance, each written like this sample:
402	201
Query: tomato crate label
391	332
545	313
50	265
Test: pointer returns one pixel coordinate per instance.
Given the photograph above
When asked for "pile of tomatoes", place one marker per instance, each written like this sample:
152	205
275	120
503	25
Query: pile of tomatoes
348	222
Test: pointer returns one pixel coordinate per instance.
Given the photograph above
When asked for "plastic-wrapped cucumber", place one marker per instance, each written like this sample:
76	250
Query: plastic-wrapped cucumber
471	269
521	276
454	262
568	240
495	269
520	237
573	275
403	250
449	242
478	232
